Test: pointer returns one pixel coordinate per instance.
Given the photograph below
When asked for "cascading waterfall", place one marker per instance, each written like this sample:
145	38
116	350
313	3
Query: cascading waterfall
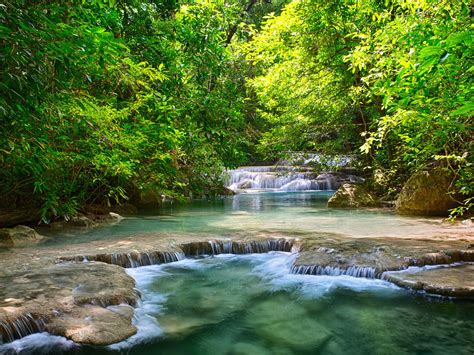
354	271
133	259
212	247
215	247
20	327
279	178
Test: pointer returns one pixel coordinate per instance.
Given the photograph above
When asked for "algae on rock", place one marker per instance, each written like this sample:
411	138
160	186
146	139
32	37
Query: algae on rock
352	196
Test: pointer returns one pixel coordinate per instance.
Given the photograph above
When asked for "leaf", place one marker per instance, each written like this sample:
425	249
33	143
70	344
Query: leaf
466	110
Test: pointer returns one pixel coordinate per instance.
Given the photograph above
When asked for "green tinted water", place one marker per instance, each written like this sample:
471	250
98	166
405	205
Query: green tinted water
251	304
298	212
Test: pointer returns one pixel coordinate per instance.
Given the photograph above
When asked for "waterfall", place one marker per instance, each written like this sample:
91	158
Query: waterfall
20	327
215	247
133	259
212	247
279	178
354	271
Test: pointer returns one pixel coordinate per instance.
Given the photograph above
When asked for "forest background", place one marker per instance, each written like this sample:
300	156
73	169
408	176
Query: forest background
104	100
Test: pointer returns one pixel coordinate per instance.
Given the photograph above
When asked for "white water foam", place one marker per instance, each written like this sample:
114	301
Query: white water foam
152	301
38	343
276	270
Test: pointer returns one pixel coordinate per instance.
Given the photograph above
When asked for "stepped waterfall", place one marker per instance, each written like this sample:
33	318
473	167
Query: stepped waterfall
283	178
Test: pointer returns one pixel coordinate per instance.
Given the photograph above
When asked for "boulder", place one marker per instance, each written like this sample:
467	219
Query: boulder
17	236
227	191
81	221
452	281
246	184
13	217
352	196
151	197
427	193
75	222
89	303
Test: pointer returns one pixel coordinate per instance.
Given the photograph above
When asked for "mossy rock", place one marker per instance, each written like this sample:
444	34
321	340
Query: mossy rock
352	196
151	197
427	193
18	236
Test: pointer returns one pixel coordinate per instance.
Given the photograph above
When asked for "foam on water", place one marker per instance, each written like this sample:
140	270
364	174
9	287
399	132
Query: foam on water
214	302
276	269
38	343
272	268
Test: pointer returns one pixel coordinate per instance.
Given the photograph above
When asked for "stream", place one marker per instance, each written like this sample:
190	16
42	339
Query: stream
252	304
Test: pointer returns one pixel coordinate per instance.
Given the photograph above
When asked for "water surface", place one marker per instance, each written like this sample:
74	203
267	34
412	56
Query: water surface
292	213
250	304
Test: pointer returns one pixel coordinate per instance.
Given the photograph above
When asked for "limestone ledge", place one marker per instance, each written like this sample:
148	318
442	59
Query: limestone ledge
92	302
89	303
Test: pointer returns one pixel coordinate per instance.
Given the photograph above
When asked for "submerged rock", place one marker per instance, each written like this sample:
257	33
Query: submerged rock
248	348
352	196
427	193
18	236
69	300
274	324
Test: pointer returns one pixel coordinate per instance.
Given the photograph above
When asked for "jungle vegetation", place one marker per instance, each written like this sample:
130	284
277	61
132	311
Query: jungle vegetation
103	99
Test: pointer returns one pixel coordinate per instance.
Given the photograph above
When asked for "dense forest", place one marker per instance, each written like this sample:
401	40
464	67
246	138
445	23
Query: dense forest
102	100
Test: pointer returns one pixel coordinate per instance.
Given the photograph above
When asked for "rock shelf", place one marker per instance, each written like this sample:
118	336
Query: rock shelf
92	302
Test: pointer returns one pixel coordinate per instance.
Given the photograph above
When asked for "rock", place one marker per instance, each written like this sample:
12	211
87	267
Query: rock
93	325
18	236
287	327
452	281
11	218
248	348
227	192
300	334
246	184
71	300
352	196
150	197
426	193
371	257
75	222
176	326
81	221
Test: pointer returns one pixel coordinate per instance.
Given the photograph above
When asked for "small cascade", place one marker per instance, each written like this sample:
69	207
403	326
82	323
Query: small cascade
215	247
354	271
279	178
134	259
20	327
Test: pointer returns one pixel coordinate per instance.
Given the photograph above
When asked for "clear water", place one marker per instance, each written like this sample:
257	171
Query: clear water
295	213
251	305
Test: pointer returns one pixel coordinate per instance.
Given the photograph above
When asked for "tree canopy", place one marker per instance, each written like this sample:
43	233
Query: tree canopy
102	99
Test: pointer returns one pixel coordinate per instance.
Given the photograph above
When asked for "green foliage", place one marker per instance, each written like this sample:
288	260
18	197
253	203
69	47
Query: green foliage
101	98
393	78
